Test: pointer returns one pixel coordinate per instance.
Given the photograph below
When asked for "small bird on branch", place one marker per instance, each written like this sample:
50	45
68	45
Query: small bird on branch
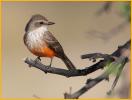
42	43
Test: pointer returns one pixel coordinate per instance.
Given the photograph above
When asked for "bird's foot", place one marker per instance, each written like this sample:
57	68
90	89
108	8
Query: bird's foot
38	59
50	62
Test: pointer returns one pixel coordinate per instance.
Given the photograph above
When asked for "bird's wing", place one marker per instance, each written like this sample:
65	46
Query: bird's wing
53	43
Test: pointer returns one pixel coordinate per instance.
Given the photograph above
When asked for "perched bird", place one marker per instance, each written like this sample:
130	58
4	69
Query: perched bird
42	43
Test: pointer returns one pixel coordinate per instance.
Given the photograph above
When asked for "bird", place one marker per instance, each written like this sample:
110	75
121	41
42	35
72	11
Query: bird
42	43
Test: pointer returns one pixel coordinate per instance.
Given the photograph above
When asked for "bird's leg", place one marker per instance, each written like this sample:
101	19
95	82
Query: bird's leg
37	59
51	62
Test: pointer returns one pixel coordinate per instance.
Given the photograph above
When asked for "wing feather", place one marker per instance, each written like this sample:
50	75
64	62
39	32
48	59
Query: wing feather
53	44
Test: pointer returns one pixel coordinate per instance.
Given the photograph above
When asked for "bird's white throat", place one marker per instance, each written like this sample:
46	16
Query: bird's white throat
35	37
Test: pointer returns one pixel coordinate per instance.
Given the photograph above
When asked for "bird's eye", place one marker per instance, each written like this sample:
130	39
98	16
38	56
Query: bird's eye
41	22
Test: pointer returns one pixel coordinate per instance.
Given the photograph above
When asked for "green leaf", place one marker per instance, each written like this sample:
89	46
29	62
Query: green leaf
114	67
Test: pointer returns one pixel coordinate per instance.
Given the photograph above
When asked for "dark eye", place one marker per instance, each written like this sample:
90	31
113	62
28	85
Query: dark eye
41	22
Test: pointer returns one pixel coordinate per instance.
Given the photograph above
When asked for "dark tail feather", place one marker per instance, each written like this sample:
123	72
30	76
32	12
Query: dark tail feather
68	63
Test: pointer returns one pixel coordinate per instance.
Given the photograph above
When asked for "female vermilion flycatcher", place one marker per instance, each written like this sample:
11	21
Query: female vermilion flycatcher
41	42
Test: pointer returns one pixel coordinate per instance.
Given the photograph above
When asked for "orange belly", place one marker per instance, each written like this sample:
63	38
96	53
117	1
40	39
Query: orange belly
44	52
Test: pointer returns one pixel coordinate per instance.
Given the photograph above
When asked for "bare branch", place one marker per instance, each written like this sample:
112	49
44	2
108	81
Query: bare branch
78	72
63	72
119	53
114	57
94	56
89	84
92	82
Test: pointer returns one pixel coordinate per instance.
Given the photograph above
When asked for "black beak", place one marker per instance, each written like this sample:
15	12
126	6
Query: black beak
51	23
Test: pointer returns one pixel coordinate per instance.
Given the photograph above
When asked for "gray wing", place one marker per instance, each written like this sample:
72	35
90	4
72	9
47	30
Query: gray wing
53	44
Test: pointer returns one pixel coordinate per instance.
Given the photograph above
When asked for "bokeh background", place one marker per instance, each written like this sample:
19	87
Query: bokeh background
76	23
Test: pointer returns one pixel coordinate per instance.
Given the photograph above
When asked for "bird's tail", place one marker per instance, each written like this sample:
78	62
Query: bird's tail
68	63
